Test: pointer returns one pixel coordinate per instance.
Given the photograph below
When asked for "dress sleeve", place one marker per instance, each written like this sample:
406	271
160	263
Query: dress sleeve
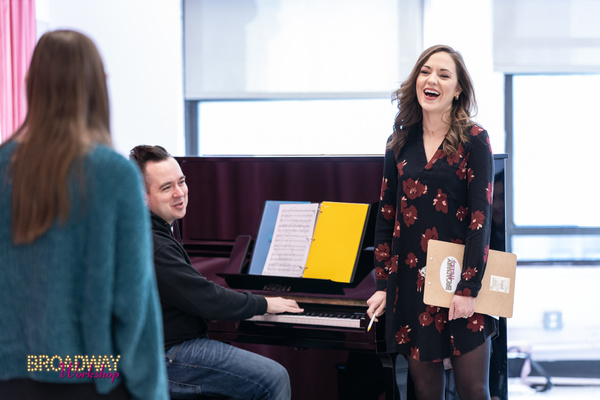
137	321
385	221
480	176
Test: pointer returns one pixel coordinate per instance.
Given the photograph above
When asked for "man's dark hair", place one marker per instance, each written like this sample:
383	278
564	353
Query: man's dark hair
143	154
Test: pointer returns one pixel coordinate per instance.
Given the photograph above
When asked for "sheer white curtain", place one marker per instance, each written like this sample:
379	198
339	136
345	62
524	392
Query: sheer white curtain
546	36
311	48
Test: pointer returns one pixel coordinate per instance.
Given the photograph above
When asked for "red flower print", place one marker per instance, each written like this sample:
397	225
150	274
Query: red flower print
400	167
414	353
476	130
429	234
486	252
461	213
457	156
441	202
403	204
462	169
440	321
410	215
470	176
425	319
456	352
489	192
396	229
380	273
469	273
432	309
394	264
402	335
458	241
388	212
420	282
382	252
384	187
477	219
438	155
466	292
411	260
413	189
475	322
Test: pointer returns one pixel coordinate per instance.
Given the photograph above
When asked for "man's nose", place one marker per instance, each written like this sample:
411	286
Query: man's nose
178	192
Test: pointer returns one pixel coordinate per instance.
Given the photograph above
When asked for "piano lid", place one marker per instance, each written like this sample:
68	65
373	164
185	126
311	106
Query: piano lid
227	196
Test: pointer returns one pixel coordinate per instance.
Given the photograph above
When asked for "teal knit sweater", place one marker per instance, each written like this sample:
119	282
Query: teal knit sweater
85	291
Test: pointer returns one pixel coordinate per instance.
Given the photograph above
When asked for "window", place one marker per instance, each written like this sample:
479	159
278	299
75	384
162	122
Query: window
555	167
295	127
288	77
265	48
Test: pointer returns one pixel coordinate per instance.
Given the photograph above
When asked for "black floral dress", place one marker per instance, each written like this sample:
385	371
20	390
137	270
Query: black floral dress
449	199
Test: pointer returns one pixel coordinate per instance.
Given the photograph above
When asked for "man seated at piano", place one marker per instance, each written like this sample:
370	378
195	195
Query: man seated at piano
195	363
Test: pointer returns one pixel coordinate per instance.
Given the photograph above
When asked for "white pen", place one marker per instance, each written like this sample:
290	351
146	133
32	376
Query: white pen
371	323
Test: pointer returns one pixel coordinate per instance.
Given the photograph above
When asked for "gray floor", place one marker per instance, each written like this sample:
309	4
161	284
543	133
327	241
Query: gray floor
518	391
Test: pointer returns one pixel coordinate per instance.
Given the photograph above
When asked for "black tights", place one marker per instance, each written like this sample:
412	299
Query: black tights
471	374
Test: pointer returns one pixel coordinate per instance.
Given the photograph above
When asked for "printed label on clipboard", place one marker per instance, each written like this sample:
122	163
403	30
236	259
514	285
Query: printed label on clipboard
499	284
450	274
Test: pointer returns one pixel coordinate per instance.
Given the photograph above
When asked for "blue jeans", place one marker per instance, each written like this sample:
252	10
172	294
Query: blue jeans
208	367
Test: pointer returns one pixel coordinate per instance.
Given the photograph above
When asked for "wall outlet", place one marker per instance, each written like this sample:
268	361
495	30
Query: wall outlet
553	320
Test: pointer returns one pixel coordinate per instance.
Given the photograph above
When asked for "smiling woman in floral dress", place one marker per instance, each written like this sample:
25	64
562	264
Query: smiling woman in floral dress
437	184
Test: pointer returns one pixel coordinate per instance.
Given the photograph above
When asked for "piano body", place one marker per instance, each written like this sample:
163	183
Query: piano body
326	357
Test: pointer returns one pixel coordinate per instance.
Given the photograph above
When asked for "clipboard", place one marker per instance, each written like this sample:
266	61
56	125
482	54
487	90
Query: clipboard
443	272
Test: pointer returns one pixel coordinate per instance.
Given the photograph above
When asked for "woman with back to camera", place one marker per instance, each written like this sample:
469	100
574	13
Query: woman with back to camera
76	274
437	184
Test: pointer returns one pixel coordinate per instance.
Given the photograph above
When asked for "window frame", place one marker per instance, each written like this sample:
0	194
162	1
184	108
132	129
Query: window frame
191	106
512	229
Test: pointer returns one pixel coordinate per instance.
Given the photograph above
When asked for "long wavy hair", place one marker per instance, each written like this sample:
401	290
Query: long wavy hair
68	112
410	113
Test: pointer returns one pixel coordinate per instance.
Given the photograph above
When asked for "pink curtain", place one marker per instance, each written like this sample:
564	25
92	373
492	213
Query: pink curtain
17	40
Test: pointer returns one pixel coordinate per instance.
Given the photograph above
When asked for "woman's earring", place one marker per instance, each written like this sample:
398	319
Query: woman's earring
456	97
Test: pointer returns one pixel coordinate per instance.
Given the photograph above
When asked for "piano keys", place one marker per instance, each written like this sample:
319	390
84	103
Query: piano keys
353	320
343	313
332	322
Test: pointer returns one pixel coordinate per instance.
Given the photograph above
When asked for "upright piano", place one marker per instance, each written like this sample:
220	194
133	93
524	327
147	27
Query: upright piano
330	353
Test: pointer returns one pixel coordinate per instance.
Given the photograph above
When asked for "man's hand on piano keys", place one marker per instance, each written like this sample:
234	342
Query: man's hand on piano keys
276	305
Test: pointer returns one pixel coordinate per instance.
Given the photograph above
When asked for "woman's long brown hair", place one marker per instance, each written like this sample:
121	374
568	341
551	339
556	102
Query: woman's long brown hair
410	113
68	111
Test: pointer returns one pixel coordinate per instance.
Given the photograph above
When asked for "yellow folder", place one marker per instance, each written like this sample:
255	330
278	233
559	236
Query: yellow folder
337	241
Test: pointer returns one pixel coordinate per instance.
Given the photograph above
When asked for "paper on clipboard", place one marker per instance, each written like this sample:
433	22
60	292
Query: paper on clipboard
444	265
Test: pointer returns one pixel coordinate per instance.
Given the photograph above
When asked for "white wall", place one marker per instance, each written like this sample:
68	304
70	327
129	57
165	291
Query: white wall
473	37
141	45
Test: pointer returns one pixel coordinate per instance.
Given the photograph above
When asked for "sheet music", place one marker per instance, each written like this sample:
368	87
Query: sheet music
292	239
